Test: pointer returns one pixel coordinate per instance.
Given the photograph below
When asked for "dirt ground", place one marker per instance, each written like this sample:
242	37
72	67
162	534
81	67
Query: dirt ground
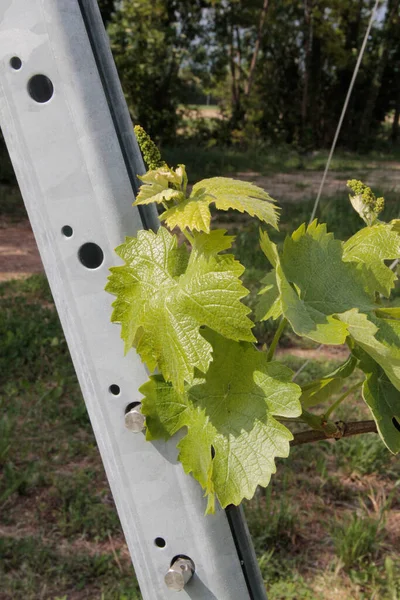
19	256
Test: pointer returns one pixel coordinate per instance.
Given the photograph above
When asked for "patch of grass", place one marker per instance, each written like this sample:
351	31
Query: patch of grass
271	519
31	568
33	345
363	454
34	289
356	540
80	507
213	161
209	160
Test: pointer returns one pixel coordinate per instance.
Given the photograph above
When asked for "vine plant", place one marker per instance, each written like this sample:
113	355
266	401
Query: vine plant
180	305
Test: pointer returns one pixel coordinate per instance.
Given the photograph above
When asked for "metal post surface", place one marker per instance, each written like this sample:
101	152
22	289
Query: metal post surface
77	183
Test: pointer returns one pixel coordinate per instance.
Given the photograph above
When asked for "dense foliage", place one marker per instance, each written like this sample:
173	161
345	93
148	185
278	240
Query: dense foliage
280	70
180	305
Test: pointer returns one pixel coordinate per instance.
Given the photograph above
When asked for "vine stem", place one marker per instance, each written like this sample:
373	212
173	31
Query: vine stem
334	406
346	430
187	235
274	343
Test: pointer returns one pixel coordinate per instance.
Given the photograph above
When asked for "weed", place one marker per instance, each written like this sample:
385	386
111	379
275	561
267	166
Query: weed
363	454
356	540
29	567
33	288
271	519
81	509
32	342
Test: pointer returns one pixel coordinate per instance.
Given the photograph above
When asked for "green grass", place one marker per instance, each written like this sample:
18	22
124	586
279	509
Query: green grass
53	484
210	161
32	569
356	540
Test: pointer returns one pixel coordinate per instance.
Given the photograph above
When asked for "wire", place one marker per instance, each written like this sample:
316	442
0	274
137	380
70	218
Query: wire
335	139
346	103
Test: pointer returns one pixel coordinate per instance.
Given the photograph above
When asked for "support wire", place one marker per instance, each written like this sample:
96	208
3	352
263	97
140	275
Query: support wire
346	103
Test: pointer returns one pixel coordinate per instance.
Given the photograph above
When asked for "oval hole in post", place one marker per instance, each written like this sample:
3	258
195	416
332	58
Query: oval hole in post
40	88
15	63
114	389
160	542
91	255
67	231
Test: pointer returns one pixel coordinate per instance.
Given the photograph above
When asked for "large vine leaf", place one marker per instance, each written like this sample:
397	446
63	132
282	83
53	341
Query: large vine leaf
370	247
164	297
194	213
383	400
232	435
379	338
314	284
322	389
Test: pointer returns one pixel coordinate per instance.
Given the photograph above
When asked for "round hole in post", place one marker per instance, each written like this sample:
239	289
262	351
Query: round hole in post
67	231
40	88
114	389
15	63
91	255
160	542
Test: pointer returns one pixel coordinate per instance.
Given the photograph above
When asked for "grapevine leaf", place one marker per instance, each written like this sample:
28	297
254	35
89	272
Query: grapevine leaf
190	214
370	247
383	399
388	311
314	283
156	188
269	248
232	435
269	304
322	389
226	194
379	338
163	298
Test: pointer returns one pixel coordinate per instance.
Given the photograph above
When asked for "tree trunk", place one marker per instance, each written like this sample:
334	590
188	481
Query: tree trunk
256	51
366	120
307	65
395	125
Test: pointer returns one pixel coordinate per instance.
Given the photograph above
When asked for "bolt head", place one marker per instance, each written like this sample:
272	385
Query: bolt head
179	574
135	420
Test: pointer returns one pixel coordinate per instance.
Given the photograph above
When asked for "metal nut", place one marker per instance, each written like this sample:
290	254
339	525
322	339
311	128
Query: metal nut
179	573
134	419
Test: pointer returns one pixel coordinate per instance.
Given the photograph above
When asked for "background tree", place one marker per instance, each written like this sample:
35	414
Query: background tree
150	40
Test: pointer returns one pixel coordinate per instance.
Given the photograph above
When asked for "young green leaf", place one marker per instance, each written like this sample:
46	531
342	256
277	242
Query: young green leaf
232	436
370	247
164	297
157	186
314	284
380	338
322	389
193	213
383	400
269	304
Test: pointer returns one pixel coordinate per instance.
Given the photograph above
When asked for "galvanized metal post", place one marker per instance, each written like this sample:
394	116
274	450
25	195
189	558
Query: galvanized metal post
71	142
